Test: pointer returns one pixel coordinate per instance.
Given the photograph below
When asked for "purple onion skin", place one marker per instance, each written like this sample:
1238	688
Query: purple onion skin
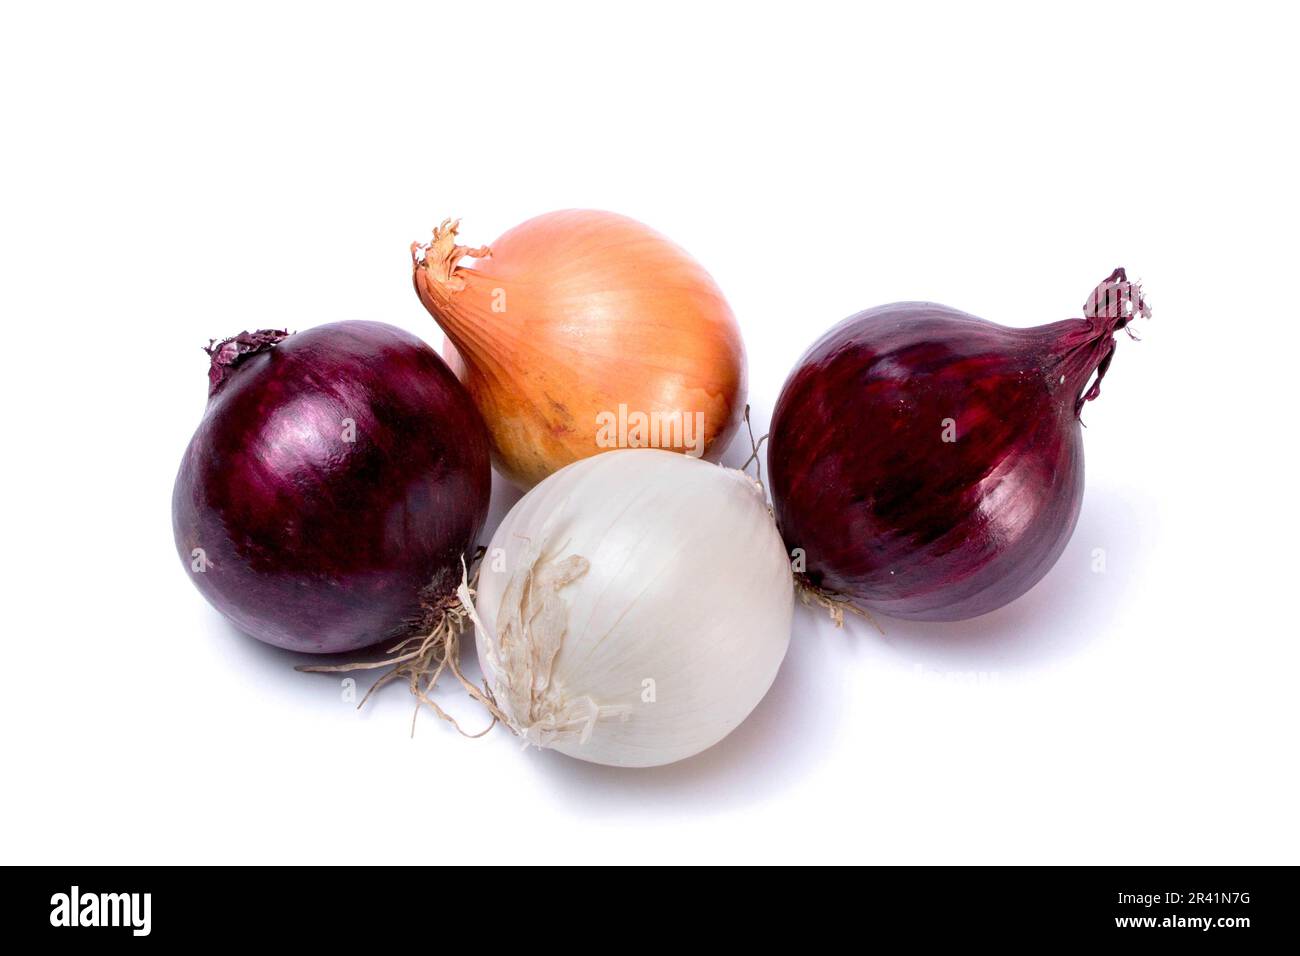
890	514
312	542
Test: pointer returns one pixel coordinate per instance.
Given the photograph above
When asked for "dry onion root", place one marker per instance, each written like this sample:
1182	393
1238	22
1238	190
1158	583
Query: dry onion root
835	605
420	660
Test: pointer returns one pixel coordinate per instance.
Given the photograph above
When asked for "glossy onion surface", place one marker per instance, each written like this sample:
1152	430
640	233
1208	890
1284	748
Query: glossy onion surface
335	481
929	463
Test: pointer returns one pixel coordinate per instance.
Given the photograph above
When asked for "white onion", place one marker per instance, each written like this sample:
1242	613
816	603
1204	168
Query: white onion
634	607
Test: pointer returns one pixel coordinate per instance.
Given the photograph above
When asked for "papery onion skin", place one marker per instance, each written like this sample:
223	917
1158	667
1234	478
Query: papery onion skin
686	585
568	316
308	540
889	513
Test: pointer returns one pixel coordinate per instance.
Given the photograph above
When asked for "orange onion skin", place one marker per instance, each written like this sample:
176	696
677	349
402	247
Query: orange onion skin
570	316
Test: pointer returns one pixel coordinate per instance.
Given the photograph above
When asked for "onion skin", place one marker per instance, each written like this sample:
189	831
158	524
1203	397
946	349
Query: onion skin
890	514
684	581
312	542
572	314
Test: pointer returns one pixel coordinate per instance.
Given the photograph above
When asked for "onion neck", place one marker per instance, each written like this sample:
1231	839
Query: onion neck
439	258
228	354
1086	346
453	295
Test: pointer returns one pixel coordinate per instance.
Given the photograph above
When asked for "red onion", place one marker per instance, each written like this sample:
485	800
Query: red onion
338	477
928	463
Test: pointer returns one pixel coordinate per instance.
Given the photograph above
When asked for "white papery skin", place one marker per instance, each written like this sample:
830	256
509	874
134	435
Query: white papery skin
631	574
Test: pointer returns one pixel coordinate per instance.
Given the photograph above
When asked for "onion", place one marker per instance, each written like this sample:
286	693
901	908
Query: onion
633	608
584	331
333	487
929	464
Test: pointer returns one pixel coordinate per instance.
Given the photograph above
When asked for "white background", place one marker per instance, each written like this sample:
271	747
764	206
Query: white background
174	172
